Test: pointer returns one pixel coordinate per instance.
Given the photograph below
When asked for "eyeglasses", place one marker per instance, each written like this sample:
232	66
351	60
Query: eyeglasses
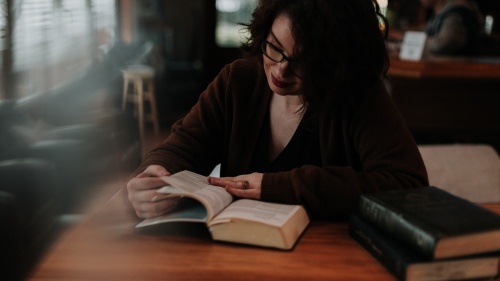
273	53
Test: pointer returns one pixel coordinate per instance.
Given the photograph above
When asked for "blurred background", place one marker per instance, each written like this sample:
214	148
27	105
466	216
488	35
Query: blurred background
66	133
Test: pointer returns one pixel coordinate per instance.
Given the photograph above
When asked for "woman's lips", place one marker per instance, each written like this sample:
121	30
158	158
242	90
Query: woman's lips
278	83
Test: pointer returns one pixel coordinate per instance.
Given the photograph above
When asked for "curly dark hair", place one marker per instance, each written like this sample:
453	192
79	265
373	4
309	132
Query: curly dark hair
339	44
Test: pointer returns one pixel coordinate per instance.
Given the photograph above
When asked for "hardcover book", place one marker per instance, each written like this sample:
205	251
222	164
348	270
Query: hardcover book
432	221
242	221
407	264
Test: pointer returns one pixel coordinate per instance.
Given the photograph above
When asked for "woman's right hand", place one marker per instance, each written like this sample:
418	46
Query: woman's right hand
142	193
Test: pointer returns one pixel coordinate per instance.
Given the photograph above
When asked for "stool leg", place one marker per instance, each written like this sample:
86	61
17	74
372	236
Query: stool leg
152	102
125	93
140	97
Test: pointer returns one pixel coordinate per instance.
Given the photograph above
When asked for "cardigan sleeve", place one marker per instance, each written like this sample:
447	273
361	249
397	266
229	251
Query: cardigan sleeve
221	128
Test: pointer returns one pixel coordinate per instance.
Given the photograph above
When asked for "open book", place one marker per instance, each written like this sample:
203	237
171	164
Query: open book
242	221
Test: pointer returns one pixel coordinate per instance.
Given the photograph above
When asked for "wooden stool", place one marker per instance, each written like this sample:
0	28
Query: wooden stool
141	77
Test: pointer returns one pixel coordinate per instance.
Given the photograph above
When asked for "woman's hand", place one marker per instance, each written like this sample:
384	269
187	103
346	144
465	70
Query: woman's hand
244	186
142	193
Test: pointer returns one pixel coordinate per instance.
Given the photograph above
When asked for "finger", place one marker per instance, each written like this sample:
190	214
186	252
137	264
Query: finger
145	196
231	182
154	171
222	182
137	184
242	185
243	193
158	207
155	209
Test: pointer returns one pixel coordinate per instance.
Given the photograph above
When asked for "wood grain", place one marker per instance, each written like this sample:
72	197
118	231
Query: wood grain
107	247
446	67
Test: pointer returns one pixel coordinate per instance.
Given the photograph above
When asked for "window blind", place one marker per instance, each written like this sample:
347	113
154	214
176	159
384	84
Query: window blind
3	46
104	22
3	26
54	41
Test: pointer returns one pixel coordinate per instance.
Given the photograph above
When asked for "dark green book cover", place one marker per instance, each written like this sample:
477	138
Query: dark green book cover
433	221
406	264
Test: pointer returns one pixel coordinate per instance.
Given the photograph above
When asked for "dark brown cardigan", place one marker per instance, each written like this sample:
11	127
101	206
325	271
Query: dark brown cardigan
365	149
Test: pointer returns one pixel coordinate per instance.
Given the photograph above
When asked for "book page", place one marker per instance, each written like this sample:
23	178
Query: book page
187	181
264	212
214	198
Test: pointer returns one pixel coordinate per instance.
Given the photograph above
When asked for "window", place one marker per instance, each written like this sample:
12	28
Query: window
53	41
104	15
3	45
230	13
3	26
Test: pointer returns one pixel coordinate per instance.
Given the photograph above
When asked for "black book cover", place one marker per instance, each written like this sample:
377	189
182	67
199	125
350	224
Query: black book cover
407	264
433	221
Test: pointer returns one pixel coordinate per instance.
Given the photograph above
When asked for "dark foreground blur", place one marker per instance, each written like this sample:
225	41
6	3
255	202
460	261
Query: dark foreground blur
56	149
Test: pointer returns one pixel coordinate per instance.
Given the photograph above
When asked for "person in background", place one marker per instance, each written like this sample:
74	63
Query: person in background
454	27
303	119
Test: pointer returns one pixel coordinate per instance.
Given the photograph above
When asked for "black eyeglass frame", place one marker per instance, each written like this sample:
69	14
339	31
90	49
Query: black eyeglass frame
292	64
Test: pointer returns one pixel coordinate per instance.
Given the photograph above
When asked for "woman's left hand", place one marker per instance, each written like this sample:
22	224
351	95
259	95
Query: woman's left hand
244	186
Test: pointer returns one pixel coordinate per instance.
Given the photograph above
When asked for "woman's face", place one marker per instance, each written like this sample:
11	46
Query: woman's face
282	80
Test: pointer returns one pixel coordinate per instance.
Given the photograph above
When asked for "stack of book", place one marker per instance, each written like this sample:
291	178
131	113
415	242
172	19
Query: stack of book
428	234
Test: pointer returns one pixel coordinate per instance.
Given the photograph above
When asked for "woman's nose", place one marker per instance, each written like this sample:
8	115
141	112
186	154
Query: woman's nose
283	68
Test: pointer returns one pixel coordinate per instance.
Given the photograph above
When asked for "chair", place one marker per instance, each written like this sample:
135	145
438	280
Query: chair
471	171
142	79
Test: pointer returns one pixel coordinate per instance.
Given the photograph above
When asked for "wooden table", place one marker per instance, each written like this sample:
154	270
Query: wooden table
107	247
446	67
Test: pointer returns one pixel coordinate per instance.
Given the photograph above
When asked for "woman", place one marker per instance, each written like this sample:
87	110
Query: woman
454	28
305	119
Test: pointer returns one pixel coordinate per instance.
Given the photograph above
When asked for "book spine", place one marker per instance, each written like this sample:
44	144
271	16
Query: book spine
375	244
398	225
